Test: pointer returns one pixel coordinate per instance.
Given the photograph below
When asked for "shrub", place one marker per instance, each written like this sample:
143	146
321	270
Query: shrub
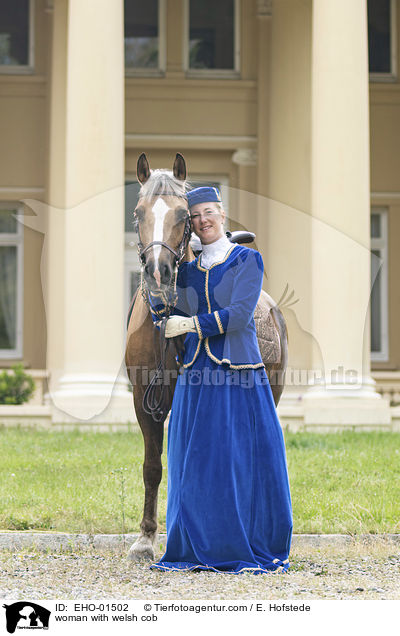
16	387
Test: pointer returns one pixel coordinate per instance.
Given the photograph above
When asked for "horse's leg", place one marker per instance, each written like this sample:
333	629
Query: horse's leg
153	433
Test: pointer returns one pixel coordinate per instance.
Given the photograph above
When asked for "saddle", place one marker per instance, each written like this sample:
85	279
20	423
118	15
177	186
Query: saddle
267	330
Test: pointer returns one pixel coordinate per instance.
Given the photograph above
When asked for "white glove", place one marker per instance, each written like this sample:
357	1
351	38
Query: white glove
176	325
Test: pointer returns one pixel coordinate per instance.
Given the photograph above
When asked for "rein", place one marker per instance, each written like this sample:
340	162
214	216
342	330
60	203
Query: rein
157	408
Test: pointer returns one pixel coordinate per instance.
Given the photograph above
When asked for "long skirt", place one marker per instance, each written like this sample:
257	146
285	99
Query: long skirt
229	506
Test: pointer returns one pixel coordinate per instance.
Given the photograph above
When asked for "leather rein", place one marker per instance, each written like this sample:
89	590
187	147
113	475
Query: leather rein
153	405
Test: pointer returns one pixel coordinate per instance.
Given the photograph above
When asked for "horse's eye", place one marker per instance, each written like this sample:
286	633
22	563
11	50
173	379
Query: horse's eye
181	213
139	213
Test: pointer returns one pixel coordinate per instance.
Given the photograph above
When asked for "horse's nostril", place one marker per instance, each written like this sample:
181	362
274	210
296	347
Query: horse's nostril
146	269
165	272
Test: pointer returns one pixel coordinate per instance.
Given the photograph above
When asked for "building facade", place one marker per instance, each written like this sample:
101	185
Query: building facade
291	106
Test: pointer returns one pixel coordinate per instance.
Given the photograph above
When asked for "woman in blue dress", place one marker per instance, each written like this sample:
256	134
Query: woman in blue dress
229	506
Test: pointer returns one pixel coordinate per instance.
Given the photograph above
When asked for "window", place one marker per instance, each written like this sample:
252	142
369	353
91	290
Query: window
379	283
16	36
11	281
382	39
212	37
144	36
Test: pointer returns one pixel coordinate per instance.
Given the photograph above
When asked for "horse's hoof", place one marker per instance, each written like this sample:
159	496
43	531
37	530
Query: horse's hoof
142	550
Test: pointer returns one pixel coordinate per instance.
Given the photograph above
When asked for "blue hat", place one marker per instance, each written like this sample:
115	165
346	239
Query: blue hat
203	195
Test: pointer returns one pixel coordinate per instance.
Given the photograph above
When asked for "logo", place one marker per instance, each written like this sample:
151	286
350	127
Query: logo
26	615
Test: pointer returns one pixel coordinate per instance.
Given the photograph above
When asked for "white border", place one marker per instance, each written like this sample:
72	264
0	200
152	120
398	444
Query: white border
381	244
212	73
392	76
24	69
162	48
17	240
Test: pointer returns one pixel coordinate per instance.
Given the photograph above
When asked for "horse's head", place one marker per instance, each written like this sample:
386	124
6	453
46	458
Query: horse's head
162	221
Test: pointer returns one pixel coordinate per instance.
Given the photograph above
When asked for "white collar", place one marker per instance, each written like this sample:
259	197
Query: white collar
214	252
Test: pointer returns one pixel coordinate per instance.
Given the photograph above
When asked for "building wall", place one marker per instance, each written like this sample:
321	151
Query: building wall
385	188
188	109
23	166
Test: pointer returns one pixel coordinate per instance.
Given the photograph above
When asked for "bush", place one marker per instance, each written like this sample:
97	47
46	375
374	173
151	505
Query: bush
16	387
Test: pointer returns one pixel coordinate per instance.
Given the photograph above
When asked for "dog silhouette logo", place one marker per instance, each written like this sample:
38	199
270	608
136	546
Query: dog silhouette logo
26	615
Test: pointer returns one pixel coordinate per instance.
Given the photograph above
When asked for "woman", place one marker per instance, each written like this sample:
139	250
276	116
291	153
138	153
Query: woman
229	505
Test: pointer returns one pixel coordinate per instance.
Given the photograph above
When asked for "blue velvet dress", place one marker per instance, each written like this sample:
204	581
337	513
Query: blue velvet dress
229	506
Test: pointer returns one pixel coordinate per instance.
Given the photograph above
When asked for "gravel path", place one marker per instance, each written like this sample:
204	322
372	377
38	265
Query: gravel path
358	570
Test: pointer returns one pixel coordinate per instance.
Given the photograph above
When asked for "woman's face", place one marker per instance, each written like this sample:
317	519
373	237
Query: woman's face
207	220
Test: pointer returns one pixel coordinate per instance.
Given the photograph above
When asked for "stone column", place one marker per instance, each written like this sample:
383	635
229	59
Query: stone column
340	274
85	232
283	232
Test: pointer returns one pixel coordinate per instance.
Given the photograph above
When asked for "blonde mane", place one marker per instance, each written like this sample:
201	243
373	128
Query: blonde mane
162	182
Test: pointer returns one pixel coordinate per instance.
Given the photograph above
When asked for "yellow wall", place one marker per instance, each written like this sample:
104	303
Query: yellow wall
385	189
385	182
177	106
23	164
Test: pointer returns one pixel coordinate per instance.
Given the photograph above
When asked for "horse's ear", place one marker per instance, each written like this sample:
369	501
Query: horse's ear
179	168
142	169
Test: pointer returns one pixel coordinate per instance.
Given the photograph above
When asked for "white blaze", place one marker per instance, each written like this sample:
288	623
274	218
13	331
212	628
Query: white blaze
160	208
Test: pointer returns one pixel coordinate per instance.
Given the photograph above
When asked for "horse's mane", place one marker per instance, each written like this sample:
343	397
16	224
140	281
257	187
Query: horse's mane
162	182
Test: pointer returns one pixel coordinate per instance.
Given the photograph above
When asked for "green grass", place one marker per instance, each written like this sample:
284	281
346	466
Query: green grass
92	483
345	482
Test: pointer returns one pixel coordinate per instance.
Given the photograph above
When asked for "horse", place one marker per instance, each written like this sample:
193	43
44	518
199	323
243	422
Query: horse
162	221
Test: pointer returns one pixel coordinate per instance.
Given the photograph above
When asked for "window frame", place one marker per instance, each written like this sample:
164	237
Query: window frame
17	240
212	73
24	69
381	244
392	76
162	48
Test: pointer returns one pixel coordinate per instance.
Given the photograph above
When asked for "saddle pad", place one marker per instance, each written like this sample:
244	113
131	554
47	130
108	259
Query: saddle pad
267	332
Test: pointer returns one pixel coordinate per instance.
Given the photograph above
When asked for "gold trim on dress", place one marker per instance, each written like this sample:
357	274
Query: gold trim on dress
198	327
256	365
206	290
219	323
188	364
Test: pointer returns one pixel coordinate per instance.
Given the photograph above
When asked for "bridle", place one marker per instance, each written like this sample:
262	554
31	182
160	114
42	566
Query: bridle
169	296
151	405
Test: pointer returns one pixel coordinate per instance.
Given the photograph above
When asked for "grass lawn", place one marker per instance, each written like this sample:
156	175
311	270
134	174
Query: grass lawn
92	483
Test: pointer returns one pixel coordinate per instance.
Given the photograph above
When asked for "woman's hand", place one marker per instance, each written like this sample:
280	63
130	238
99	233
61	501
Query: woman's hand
176	325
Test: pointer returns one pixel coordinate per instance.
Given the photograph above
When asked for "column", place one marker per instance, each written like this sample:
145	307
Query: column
340	274
85	232
284	220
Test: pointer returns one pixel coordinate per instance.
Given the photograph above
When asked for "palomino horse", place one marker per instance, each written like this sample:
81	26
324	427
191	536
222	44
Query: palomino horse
162	221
